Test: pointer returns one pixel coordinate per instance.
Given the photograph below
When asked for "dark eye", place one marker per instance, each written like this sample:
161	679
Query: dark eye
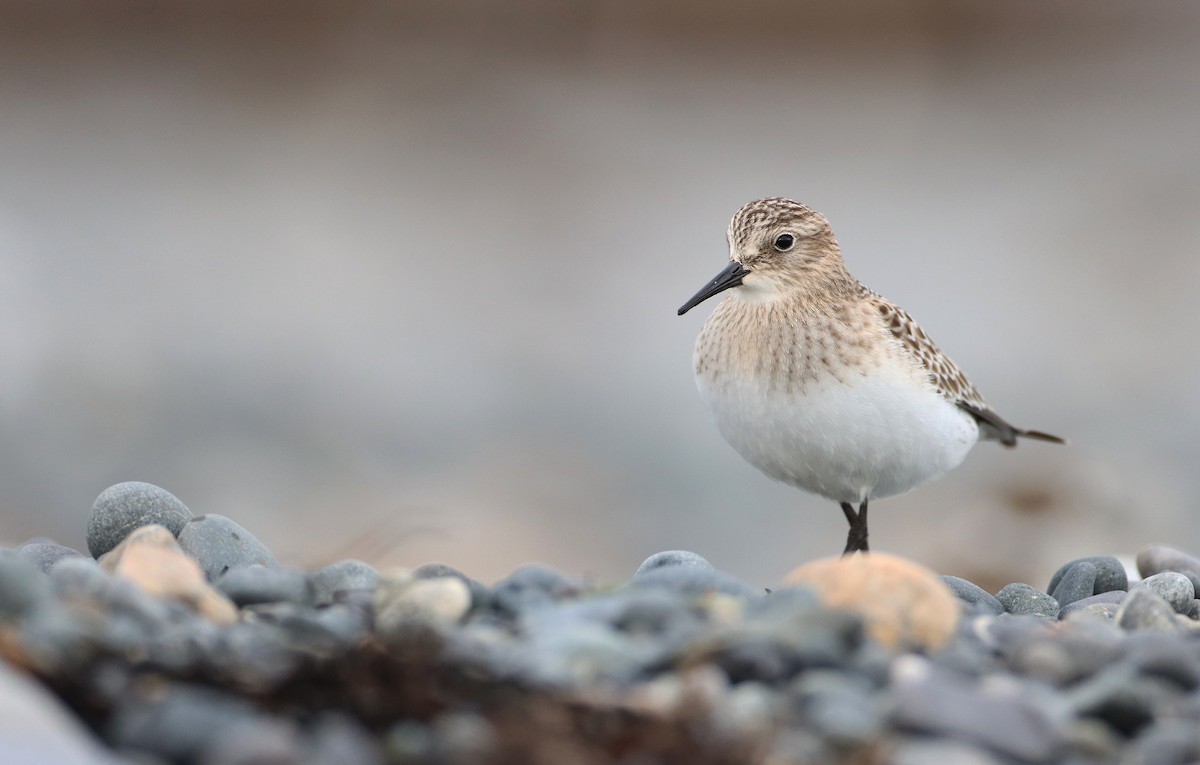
784	242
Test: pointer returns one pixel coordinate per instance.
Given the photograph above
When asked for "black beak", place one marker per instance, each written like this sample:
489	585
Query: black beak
731	277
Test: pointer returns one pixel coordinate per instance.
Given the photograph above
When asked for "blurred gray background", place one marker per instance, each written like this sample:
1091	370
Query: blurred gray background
399	280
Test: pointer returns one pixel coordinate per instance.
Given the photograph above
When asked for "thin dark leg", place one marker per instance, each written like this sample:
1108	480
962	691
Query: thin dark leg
856	540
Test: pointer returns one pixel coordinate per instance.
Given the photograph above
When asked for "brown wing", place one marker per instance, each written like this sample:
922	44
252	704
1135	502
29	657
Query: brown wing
947	378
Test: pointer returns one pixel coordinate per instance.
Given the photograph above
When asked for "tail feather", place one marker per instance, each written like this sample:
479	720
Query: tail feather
995	426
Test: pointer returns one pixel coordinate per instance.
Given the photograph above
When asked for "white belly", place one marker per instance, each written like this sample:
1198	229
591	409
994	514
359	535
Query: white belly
877	436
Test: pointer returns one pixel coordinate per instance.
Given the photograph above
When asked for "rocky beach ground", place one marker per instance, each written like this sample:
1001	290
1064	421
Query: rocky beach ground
180	639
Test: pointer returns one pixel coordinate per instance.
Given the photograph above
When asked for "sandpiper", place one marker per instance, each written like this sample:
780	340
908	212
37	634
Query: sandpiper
821	383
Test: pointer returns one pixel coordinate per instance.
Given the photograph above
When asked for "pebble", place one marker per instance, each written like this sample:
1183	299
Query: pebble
1173	587
219	544
45	555
333	582
126	506
1144	609
1110	574
682	663
401	600
1077	583
185	723
1013	718
246	585
531	586
23	586
673	558
902	603
1087	605
1022	599
692	581
975	597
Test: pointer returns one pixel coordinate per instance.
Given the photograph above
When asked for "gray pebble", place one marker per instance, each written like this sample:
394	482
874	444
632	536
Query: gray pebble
920	750
1120	697
530	586
334	737
1161	654
1144	609
409	741
62	640
673	558
1110	574
842	706
1173	587
23	587
693	581
267	742
1022	600
463	737
1077	583
1016	719
1166	742
245	585
219	544
185	723
1158	558
126	506
1111	598
344	576
977	598
45	555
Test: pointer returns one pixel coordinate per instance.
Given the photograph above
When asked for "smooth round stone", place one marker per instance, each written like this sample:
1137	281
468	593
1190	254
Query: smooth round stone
401	601
673	558
1155	559
1163	655
220	544
1016	718
45	555
1110	574
902	603
532	585
1144	609
245	585
330	582
23	587
583	654
1021	599
80	578
1120	697
267	741
693	581
1077	583
977	598
335	737
1067	652
480	594
1169	742
1111	598
464	737
1173	587
182	724
409	741
921	750
126	506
